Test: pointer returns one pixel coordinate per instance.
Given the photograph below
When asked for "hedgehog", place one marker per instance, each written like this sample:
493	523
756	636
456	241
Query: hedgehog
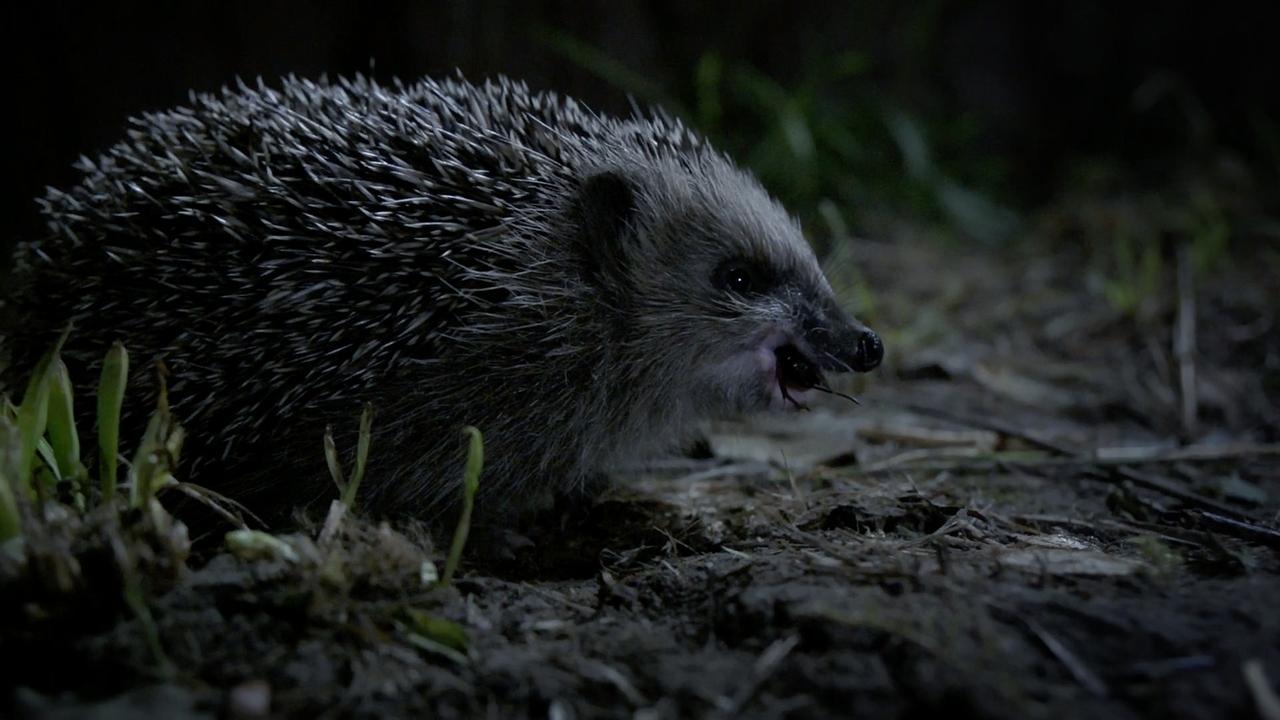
584	289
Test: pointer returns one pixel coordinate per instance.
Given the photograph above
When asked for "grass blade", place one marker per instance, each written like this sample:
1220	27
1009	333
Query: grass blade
33	415
115	375
135	598
63	438
157	455
470	484
146	462
10	519
331	459
45	452
362	456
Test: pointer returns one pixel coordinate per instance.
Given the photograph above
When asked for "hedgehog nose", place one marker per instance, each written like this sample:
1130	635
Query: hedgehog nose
868	353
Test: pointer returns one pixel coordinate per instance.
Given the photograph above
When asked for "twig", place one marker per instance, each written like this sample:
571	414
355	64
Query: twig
1060	652
1109	474
1184	342
1159	484
1264	697
1152	670
1200	452
1237	528
1188	536
797	495
746	468
763	669
1178	536
908	456
985	423
922	437
229	509
615	677
1110	457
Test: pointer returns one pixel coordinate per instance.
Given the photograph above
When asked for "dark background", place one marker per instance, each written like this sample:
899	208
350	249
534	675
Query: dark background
1012	97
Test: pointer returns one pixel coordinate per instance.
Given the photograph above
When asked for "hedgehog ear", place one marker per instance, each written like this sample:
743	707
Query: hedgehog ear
606	204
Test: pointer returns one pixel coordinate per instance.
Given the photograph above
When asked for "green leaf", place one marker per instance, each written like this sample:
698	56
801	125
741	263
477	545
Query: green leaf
33	416
254	545
10	441
331	459
362	456
156	458
475	462
470	484
64	440
442	630
111	385
45	451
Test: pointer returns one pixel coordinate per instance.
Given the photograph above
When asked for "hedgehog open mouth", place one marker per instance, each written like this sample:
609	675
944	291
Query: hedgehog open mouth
796	372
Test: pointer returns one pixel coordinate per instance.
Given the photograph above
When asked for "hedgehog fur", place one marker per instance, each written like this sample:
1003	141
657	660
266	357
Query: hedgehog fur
583	289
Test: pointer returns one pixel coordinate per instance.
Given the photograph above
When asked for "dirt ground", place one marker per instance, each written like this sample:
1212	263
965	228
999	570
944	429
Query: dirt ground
1033	513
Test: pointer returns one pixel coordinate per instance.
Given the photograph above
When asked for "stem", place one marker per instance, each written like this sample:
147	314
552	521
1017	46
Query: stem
470	484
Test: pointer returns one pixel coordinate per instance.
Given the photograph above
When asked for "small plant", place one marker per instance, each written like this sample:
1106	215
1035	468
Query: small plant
23	441
41	465
347	490
339	508
40	448
40	445
32	417
115	375
470	484
64	440
1137	270
158	453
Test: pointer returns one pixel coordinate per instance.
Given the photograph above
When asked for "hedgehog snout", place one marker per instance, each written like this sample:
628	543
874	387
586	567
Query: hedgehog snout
853	350
841	344
868	351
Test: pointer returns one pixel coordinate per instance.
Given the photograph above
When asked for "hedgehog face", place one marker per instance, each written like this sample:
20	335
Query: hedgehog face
717	275
770	323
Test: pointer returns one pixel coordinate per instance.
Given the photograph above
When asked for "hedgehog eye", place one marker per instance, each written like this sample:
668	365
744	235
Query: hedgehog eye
739	277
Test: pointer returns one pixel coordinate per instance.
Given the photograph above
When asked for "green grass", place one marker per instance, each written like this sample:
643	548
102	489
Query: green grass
41	463
347	489
24	448
64	440
40	446
10	515
32	417
157	456
40	457
470	484
111	386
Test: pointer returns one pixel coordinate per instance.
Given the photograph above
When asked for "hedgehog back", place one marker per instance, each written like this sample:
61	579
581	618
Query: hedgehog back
289	252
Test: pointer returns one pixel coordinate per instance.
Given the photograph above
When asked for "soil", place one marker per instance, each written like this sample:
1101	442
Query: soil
1020	520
